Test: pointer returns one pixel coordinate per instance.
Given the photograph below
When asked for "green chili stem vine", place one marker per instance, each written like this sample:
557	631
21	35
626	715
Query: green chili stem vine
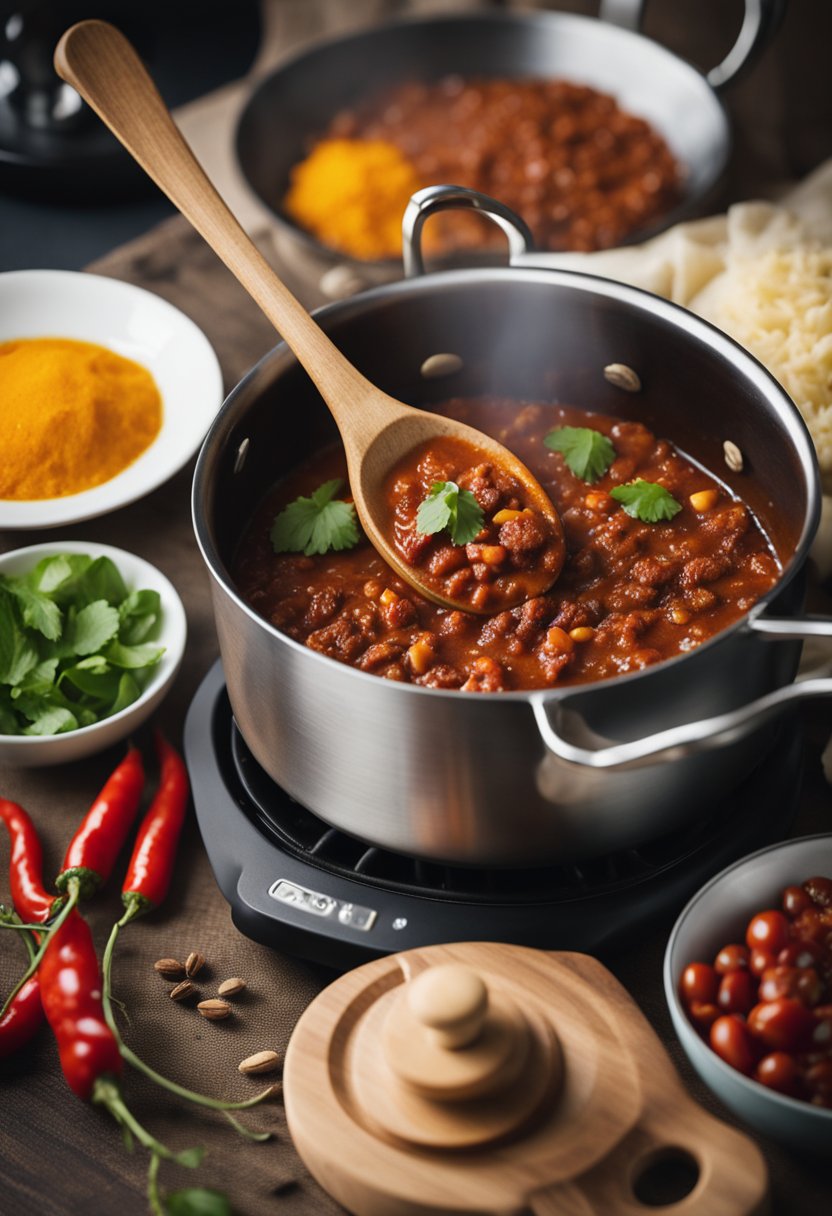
73	892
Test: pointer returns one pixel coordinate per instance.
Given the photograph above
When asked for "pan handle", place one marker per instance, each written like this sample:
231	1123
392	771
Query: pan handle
443	198
760	23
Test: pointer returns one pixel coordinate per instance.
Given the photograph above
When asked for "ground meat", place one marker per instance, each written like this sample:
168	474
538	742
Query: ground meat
523	534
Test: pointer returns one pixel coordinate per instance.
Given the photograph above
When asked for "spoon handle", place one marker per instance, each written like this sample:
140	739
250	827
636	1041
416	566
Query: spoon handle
99	62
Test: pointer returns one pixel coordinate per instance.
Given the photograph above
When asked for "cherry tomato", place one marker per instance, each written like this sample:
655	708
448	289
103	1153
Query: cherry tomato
783	1024
737	992
795	900
699	983
779	1071
760	961
731	958
822	1030
703	1014
818	1078
811	927
768	931
819	891
801	983
799	954
732	1043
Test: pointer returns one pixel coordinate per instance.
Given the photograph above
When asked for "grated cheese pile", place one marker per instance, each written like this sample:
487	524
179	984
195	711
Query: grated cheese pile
778	304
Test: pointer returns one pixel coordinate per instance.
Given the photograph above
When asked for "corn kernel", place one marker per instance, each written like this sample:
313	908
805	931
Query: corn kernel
703	500
597	502
492	555
582	633
420	655
502	517
387	597
679	616
558	640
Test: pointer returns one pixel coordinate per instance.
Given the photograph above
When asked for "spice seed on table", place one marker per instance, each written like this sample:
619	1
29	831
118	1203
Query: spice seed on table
169	968
214	1009
261	1061
194	964
183	991
231	987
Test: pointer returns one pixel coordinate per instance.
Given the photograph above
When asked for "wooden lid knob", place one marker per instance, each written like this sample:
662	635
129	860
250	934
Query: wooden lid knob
451	1002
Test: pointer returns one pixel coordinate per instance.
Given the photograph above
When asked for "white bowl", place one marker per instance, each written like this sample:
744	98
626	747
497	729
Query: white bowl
718	914
35	750
140	326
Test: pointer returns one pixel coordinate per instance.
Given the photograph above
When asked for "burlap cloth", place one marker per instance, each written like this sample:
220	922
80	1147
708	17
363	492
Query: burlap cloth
63	1158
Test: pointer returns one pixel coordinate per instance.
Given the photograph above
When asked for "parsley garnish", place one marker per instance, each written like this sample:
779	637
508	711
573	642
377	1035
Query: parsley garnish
588	453
449	507
646	500
74	644
316	524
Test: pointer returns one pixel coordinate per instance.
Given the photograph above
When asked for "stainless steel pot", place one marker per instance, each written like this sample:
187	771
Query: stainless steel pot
522	777
293	105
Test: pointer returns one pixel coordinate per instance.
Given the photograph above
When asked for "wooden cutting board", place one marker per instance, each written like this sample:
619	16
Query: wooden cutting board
499	1080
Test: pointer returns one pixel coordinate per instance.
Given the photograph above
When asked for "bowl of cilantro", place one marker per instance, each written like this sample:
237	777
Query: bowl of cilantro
91	639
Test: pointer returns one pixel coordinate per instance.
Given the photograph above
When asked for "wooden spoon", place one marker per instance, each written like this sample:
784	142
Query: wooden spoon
376	430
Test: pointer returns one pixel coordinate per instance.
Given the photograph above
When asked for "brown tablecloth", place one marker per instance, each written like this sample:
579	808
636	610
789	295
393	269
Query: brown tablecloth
62	1158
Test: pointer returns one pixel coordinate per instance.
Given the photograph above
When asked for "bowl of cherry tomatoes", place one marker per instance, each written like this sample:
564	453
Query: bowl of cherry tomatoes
748	979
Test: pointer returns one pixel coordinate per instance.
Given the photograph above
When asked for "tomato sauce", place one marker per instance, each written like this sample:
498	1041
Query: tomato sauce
630	594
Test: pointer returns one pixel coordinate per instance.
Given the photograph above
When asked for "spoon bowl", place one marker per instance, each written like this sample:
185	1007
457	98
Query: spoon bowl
377	431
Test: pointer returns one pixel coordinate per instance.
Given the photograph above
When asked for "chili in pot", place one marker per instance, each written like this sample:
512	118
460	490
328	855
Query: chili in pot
660	557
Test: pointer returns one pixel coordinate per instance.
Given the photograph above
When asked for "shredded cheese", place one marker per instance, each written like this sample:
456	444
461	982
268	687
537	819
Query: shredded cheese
779	306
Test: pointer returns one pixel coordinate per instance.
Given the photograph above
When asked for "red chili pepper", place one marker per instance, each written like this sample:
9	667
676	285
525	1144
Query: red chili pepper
22	1018
70	987
151	866
93	849
30	899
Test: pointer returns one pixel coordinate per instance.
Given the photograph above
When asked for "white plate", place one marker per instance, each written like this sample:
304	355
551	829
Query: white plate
140	326
28	751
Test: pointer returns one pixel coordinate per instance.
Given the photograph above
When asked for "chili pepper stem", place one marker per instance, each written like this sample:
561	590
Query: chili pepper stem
189	1095
106	1093
154	1199
21	927
73	894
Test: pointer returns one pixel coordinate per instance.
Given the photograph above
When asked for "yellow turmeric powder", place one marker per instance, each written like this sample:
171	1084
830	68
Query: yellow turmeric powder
351	194
72	415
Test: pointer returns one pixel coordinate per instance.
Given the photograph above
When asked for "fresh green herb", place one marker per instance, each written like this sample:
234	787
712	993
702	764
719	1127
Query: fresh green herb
197	1201
316	524
588	453
75	645
646	500
449	507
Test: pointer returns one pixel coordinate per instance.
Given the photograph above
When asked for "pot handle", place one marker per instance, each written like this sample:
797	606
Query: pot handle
678	742
760	23
443	198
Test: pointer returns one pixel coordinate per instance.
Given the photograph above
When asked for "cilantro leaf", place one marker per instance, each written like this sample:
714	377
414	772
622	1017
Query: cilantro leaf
18	654
91	628
73	644
646	500
588	453
37	609
316	524
54	720
449	507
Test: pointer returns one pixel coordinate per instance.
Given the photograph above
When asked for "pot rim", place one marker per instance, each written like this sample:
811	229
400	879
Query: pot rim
532	18
743	362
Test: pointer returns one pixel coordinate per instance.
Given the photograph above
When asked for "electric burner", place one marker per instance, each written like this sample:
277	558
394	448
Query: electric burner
296	883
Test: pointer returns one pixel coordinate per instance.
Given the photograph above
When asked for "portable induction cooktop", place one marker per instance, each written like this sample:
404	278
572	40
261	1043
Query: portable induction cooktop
296	883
